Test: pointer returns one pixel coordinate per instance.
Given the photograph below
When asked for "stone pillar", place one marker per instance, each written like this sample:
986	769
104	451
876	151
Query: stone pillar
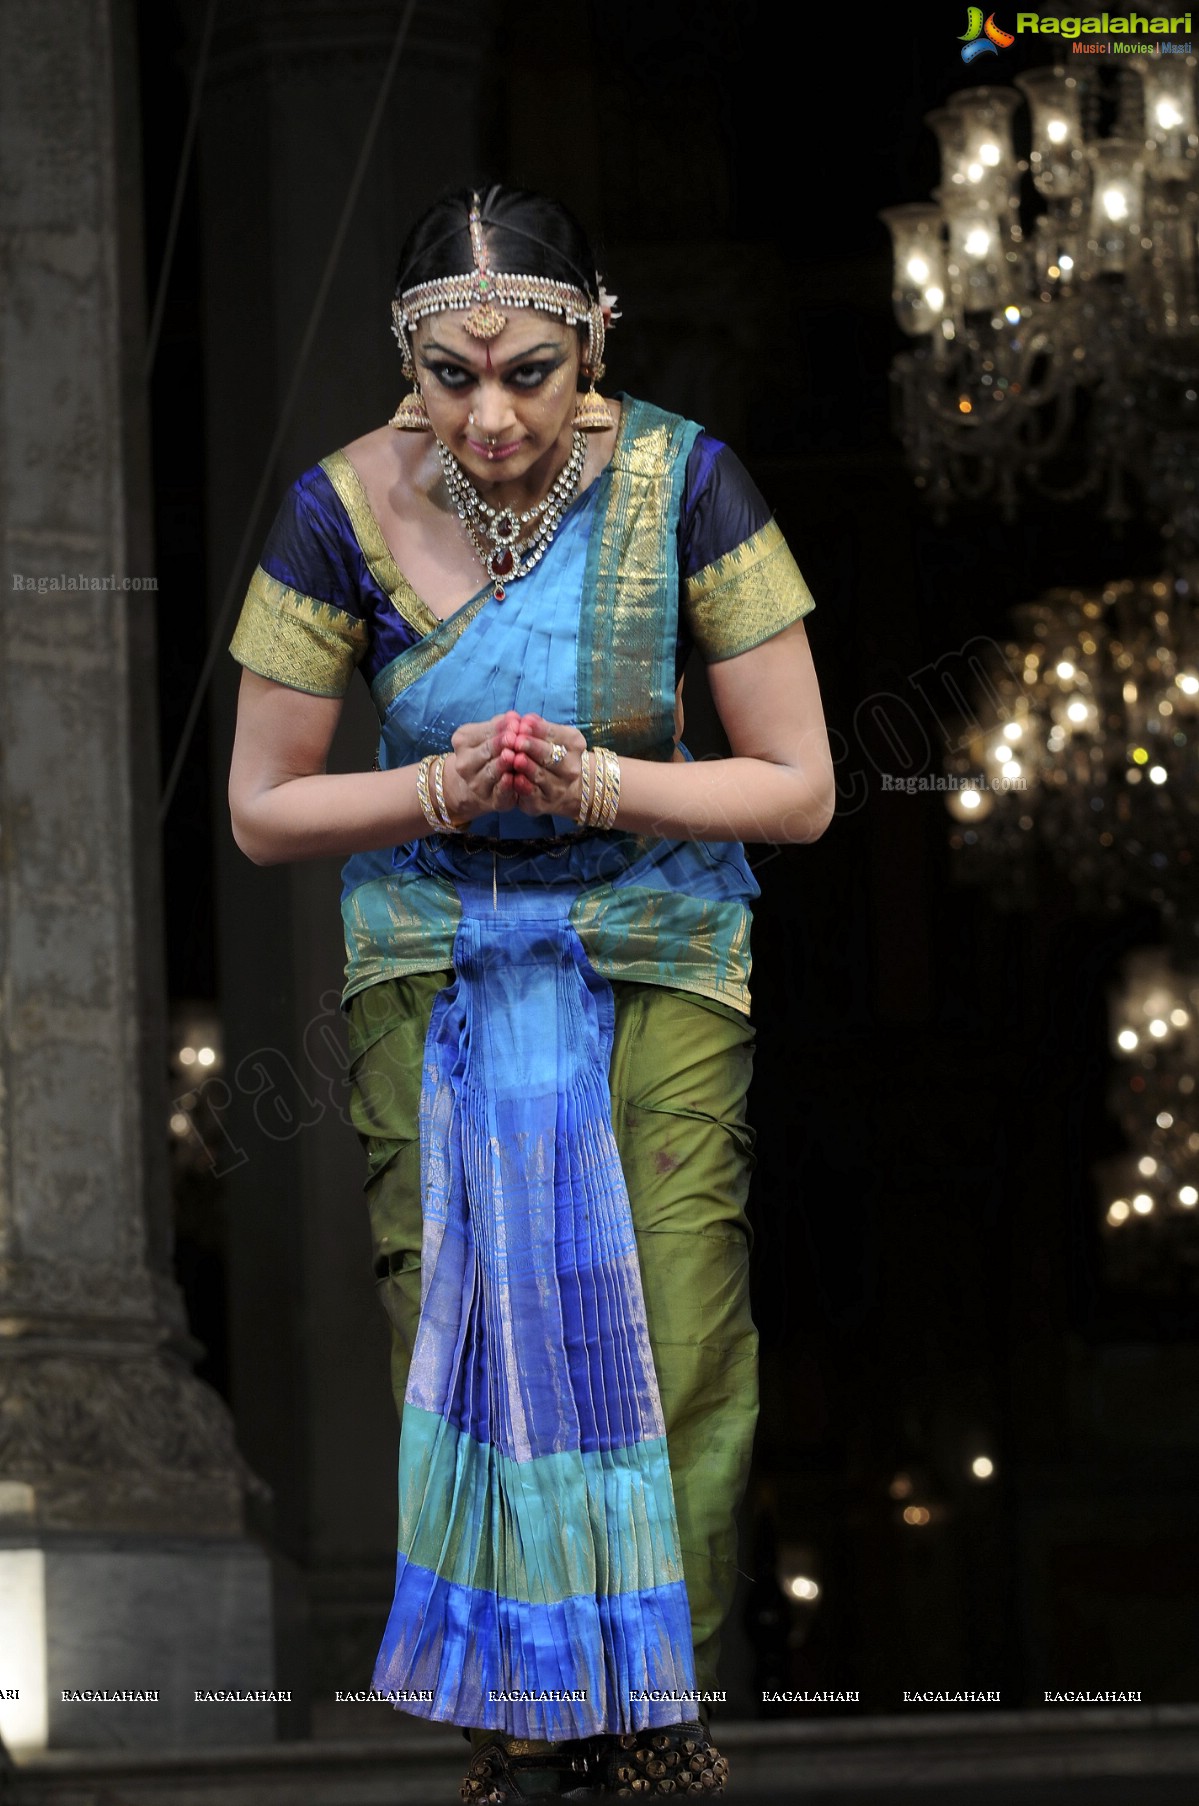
291	87
123	1564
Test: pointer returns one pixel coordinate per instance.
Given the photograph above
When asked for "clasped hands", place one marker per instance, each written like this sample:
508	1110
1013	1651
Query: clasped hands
504	764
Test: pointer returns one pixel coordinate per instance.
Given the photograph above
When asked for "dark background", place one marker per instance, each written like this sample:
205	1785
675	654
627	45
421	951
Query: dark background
928	1269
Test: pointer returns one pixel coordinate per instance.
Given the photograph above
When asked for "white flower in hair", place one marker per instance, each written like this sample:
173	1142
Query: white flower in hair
607	305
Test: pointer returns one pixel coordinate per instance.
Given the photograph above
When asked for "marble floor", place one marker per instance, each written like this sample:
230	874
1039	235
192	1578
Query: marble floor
1090	1757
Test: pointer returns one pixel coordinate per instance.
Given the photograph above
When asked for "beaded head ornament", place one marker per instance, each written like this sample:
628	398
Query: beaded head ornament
483	293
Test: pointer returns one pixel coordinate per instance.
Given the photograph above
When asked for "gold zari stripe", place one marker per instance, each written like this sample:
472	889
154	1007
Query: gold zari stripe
747	596
375	549
621	669
295	640
412	664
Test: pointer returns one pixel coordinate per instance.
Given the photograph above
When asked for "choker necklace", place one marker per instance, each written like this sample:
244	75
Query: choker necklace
506	554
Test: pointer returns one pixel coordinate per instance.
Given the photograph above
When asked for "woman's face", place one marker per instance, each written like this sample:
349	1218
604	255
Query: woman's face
503	405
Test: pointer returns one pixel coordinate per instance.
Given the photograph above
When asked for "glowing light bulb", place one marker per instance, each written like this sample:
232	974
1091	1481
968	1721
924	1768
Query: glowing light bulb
1013	731
800	1587
1012	315
1188	683
1142	1204
1057	131
1179	1016
969	799
1064	669
180	1123
1118	1211
1167	114
1127	1039
974	172
982	1467
187	1056
1066	263
989	153
935	297
1146	1166
918	269
207	1056
1158	774
978	242
1115	203
1077	711
1158	1028
1188	1197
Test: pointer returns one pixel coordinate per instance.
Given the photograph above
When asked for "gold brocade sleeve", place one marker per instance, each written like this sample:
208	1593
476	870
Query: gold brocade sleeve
294	640
747	596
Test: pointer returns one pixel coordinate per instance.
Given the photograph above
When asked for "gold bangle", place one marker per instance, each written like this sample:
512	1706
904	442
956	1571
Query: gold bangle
433	804
422	791
612	791
599	801
584	788
449	825
606	798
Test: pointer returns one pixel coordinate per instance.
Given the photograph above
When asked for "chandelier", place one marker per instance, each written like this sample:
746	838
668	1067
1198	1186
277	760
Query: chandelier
1083	738
1055	335
1053	329
1150	1195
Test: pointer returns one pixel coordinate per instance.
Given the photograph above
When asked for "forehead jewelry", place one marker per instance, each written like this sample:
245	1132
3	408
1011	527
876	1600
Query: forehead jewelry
483	293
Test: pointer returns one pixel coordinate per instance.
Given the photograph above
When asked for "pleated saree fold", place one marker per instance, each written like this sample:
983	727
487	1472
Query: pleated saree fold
539	1571
539	1583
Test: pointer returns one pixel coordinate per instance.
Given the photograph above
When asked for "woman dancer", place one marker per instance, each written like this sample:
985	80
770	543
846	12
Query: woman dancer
546	910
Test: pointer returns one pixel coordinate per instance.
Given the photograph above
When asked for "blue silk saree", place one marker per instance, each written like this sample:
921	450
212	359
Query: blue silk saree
539	1585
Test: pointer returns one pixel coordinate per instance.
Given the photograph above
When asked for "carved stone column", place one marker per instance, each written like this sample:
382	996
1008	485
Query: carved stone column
291	86
123	1564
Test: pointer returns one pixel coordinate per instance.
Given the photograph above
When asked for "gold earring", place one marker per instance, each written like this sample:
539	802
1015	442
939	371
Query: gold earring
412	416
592	413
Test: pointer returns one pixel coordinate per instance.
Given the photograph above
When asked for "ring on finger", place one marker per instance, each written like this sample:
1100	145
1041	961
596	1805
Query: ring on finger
557	752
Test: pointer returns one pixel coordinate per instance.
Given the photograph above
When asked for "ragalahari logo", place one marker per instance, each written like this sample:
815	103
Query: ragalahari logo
982	36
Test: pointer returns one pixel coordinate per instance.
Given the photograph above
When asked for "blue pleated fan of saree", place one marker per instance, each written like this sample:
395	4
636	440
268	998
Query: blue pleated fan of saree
539	1581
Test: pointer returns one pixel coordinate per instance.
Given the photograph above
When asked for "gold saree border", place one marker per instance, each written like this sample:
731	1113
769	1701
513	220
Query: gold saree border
643	935
296	640
374	548
411	664
625	681
746	596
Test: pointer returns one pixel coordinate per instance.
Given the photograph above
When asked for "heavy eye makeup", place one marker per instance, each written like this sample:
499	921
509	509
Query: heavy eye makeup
456	377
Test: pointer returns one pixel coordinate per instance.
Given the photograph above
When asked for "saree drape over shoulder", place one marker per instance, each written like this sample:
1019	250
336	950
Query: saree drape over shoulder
539	1586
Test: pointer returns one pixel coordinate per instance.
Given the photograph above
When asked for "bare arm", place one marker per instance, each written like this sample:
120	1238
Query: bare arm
779	783
285	805
777	786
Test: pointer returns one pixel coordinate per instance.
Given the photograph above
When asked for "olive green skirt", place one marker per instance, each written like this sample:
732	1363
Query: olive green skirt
679	1076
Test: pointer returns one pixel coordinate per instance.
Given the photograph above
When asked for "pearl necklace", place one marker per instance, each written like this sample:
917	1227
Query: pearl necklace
509	555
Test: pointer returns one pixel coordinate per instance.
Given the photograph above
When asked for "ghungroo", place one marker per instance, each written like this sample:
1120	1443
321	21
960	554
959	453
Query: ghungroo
673	1759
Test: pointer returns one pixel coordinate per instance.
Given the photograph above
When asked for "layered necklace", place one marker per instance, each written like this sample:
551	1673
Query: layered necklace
499	535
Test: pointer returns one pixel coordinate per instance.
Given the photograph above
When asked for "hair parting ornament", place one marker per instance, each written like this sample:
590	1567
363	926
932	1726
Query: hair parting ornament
483	293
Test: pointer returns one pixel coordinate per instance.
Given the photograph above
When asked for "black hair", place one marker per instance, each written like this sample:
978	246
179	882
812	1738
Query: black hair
526	234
